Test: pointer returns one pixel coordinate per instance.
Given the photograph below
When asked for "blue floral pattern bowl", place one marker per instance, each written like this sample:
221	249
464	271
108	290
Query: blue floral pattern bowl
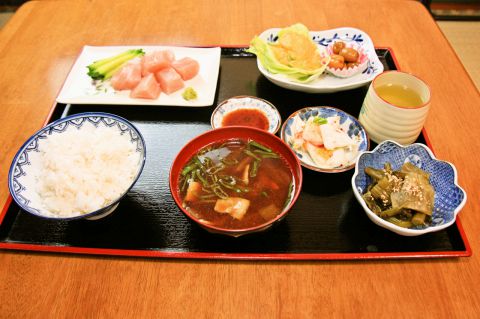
26	168
328	83
449	196
348	123
247	102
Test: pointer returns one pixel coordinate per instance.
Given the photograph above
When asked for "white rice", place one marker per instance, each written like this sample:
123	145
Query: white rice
83	170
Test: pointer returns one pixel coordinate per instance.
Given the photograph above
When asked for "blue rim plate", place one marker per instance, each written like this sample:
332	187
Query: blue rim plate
327	83
449	196
21	163
355	129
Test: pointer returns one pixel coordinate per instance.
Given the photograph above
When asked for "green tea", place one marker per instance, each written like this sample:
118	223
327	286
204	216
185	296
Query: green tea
399	95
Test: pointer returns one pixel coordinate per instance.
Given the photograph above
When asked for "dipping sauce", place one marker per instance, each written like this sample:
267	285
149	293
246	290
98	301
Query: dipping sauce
246	117
399	95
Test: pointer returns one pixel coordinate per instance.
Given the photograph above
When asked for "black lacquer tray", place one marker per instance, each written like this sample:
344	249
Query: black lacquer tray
325	223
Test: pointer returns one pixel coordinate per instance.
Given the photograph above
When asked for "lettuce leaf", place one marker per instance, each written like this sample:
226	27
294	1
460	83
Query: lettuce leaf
296	28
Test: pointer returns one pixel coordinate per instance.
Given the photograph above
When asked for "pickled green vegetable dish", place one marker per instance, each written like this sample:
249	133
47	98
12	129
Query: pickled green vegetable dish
404	197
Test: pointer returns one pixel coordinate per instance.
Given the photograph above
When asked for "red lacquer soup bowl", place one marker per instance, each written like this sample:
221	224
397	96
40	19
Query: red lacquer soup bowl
181	177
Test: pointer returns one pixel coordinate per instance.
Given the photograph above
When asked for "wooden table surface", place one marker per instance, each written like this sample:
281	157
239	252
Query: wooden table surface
37	49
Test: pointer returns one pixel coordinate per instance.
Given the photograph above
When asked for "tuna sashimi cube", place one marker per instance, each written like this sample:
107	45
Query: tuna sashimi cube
128	76
170	81
156	60
148	88
186	67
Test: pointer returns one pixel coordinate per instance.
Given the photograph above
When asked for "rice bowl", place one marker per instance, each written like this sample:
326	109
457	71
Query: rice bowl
77	167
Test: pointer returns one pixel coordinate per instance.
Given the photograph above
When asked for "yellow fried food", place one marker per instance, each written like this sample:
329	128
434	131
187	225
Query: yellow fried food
293	54
297	50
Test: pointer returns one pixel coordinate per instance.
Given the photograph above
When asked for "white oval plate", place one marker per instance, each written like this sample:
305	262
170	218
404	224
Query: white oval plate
327	83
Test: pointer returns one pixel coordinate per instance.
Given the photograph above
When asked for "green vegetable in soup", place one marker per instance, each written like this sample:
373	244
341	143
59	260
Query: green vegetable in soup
404	197
201	168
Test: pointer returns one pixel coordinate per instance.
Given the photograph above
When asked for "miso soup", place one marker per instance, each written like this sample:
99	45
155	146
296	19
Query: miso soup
236	184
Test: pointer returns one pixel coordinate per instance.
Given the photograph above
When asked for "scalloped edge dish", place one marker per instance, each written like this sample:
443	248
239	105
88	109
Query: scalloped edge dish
328	83
381	149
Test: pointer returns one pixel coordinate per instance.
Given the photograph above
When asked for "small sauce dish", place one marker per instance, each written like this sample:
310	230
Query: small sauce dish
247	111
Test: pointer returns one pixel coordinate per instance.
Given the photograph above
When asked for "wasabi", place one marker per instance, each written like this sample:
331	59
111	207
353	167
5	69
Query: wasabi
189	94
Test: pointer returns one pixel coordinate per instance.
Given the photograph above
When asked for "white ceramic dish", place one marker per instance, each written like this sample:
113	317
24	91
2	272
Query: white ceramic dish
327	83
78	87
247	102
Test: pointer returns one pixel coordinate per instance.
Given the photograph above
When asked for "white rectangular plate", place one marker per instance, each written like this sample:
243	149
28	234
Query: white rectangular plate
80	89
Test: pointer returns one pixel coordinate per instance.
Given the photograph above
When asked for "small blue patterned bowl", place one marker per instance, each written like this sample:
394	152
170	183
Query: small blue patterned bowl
449	197
26	169
348	123
247	102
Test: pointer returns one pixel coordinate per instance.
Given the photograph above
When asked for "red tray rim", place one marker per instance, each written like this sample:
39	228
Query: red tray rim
177	254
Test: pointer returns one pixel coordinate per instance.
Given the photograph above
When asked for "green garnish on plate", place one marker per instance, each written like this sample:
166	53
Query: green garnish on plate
319	120
189	94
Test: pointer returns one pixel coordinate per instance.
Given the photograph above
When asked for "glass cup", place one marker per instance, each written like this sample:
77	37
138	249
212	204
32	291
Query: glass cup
395	107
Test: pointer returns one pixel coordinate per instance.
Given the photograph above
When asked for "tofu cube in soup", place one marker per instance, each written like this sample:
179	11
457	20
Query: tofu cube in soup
269	212
193	191
234	206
